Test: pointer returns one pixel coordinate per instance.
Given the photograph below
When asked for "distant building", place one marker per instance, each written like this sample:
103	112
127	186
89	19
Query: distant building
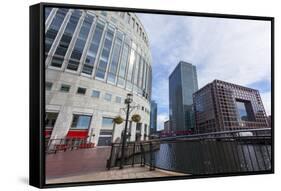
167	127
222	106
182	84
153	117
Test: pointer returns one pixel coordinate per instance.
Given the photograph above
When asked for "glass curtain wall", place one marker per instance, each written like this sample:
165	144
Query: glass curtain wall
80	43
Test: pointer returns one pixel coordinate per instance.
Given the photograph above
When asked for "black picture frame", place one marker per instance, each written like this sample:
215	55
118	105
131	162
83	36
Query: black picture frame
37	93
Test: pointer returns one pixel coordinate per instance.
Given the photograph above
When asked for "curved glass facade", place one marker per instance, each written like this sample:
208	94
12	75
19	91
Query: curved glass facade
111	47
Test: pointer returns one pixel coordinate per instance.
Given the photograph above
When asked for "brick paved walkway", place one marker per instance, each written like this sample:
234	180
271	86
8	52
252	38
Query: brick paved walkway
116	174
90	165
76	162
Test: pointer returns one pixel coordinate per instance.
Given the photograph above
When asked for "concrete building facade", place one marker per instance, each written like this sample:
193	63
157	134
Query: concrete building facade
167	127
93	59
223	106
182	84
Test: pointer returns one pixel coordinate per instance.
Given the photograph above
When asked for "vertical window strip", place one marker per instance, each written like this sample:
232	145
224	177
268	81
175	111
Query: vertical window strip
136	70
141	72
93	49
65	40
123	65
52	32
47	12
104	55
80	43
115	57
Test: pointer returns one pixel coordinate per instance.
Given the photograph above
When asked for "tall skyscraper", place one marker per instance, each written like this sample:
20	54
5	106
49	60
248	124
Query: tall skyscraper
182	84
153	117
222	106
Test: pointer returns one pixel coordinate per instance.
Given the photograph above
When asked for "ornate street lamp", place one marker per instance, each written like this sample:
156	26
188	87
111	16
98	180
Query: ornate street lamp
128	101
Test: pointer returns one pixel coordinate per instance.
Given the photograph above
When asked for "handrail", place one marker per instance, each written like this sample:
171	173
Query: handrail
217	133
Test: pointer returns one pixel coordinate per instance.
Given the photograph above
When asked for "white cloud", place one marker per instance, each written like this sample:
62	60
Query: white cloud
161	118
266	99
232	50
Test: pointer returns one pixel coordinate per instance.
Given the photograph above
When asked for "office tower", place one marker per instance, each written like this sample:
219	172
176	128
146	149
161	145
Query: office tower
222	106
182	84
153	117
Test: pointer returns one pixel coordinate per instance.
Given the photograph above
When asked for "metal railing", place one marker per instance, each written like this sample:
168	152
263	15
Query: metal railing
56	145
209	153
135	153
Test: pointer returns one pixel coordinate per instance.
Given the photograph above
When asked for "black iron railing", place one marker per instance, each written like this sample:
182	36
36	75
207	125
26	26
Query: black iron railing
210	153
135	153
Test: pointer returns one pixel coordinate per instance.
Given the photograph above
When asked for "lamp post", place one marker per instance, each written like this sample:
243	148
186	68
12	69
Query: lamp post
128	100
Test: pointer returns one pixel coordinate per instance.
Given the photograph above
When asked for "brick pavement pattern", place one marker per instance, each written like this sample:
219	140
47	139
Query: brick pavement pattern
117	174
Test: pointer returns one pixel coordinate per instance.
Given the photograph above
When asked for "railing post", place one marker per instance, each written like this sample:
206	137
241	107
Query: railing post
110	157
152	167
134	150
142	155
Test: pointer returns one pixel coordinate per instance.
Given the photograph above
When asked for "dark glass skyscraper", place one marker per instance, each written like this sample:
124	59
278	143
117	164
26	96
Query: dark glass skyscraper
153	117
182	84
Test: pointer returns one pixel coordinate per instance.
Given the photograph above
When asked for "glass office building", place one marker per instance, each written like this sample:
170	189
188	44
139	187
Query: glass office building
182	84
93	59
153	117
222	106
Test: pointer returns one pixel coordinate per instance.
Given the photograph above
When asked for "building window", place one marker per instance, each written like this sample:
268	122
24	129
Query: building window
81	90
50	119
95	94
107	97
104	56
47	12
78	49
48	85
118	99
107	123
65	88
245	110
92	51
138	127
62	48
81	121
105	138
54	28
115	57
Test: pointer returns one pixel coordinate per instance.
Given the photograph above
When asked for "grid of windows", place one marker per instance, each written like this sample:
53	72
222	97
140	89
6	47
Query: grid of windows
225	106
115	57
104	56
93	49
80	43
123	65
65	39
52	31
107	51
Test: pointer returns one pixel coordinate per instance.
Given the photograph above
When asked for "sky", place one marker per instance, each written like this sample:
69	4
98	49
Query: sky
233	50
